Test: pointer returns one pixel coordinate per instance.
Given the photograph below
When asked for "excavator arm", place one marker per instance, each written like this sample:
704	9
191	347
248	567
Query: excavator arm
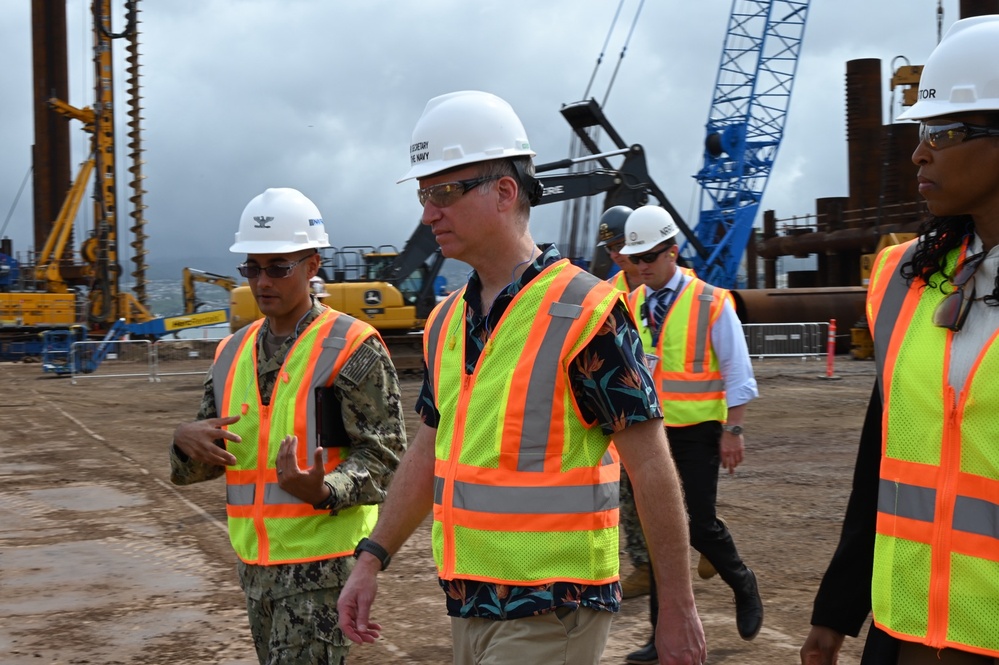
191	276
630	185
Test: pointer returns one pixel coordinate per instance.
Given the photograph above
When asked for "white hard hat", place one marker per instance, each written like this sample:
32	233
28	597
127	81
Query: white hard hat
279	221
962	73
463	128
647	227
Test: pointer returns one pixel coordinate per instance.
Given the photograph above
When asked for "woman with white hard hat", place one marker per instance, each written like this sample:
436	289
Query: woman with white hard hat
920	541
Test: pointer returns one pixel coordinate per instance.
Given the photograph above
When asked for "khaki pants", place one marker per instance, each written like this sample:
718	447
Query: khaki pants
911	653
562	637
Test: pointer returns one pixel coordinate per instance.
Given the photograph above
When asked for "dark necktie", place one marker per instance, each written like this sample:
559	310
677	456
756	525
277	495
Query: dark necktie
664	298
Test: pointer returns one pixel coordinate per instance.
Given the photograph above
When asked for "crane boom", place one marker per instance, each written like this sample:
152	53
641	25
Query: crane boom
744	130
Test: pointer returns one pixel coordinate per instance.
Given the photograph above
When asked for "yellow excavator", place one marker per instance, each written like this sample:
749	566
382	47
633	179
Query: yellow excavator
393	291
192	276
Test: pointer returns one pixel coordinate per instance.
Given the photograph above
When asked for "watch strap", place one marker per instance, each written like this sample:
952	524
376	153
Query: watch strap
327	503
371	547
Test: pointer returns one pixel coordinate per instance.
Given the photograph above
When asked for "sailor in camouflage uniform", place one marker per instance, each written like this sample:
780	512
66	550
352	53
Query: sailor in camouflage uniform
297	512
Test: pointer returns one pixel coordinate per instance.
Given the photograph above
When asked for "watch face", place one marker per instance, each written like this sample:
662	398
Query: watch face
734	429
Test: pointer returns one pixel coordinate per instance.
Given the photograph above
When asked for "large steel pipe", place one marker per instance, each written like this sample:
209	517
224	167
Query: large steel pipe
843	303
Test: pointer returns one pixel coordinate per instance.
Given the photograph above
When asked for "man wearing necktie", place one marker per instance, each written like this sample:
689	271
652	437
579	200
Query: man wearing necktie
701	367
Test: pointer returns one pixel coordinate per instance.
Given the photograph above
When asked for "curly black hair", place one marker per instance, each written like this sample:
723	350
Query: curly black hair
938	236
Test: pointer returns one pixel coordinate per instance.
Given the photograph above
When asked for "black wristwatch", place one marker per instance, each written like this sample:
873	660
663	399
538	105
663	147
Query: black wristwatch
371	547
733	429
327	503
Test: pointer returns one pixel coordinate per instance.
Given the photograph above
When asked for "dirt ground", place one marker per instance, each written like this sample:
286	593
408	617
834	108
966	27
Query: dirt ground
103	561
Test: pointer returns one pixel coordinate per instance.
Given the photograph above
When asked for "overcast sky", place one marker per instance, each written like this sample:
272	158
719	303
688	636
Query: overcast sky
322	95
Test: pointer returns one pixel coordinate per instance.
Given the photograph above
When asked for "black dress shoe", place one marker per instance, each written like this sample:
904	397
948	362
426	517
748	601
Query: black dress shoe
646	654
748	608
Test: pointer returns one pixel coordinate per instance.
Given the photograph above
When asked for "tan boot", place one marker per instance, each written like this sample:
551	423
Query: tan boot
704	568
636	584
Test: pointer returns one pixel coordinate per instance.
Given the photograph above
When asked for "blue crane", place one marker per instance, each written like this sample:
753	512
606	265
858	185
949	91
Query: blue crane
744	130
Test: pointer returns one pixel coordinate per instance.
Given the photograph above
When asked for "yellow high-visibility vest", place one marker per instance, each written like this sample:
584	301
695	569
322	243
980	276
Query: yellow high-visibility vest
267	525
525	492
936	561
687	374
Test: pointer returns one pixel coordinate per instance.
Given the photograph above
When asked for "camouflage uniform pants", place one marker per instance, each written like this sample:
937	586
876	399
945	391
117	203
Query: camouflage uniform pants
293	626
634	539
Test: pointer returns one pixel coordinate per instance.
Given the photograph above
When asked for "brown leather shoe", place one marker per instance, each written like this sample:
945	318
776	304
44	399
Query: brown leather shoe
636	584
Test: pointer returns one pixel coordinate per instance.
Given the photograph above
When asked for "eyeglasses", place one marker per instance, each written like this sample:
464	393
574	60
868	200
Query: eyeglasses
448	193
939	137
648	257
614	248
954	308
274	271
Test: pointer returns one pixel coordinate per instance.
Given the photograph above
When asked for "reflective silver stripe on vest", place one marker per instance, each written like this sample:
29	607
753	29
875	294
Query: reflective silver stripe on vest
223	365
332	346
891	307
240	495
909	501
701	332
438	490
273	495
976	516
433	334
243	495
693	387
535	500
539	403
919	503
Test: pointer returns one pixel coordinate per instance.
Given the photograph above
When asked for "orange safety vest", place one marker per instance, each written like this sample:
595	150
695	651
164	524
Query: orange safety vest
936	561
525	492
687	374
267	525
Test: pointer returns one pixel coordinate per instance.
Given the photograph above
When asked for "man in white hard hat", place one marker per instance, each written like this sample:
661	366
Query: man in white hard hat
704	376
531	368
301	413
919	546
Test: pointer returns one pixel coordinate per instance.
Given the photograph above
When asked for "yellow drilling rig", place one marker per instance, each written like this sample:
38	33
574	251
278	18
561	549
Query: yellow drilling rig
56	289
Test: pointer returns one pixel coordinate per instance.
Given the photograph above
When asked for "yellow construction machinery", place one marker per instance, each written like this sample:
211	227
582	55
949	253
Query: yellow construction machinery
190	277
56	289
393	291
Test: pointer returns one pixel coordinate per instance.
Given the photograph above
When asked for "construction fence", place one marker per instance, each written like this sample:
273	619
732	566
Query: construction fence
179	357
778	340
144	359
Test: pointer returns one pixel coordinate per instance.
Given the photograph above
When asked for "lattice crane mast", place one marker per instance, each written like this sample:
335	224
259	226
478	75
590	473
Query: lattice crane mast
744	130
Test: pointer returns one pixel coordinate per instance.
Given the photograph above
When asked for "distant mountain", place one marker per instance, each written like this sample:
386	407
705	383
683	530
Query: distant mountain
170	268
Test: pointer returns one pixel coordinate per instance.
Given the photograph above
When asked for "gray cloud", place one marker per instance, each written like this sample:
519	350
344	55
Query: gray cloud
240	95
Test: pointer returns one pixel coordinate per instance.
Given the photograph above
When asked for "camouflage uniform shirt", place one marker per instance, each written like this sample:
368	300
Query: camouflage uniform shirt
368	390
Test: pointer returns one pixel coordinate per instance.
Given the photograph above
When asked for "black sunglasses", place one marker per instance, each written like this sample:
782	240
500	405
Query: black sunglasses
953	309
944	136
274	271
648	257
448	193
